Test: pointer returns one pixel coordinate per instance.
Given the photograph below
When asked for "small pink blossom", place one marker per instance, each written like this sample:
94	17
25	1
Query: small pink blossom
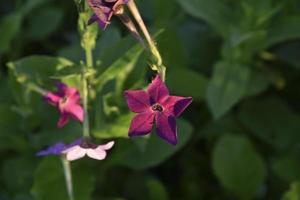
67	101
94	151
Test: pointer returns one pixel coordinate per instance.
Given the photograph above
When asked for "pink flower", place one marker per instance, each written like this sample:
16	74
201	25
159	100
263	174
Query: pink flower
155	106
94	151
67	101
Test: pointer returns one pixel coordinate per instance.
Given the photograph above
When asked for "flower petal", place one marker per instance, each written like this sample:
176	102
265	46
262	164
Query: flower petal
76	111
75	153
92	19
137	100
97	154
56	149
141	124
166	127
106	146
157	90
176	104
52	98
63	120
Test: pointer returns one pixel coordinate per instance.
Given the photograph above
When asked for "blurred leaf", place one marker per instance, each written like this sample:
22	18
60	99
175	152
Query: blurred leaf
117	128
227	87
171	49
163	10
37	69
154	150
258	83
185	82
157	190
9	26
31	5
273	122
17	173
238	166
44	22
214	12
123	65
49	182
286	28
289	52
293	193
287	168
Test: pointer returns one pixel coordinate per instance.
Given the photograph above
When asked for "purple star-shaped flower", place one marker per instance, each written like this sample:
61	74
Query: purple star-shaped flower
155	105
67	100
104	10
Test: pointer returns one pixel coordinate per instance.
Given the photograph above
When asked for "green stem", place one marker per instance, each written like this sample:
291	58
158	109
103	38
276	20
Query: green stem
68	177
152	46
89	63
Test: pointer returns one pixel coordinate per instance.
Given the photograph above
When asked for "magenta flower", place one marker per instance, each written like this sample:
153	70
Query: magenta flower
67	100
104	10
94	151
155	105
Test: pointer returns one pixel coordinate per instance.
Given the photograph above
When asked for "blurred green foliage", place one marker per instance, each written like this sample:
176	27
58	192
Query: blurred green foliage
240	138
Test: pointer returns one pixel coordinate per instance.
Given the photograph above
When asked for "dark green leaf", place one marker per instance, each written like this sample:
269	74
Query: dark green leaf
287	28
293	193
49	182
152	151
179	81
238	166
9	26
227	87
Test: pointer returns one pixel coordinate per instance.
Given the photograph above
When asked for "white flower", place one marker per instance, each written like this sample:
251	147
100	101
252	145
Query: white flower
97	152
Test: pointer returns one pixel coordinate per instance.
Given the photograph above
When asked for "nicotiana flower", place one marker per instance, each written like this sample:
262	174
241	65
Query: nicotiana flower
104	10
78	149
155	105
94	151
67	100
58	148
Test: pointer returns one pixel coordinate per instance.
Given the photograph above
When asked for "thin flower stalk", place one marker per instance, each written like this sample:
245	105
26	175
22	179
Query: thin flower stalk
152	46
68	177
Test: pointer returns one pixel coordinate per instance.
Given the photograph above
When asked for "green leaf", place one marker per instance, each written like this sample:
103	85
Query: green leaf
157	190
271	121
49	182
149	152
227	87
287	168
258	83
17	174
293	193
171	49
238	166
120	67
179	81
30	5
214	12
163	10
38	29
9	26
37	69
286	28
117	128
